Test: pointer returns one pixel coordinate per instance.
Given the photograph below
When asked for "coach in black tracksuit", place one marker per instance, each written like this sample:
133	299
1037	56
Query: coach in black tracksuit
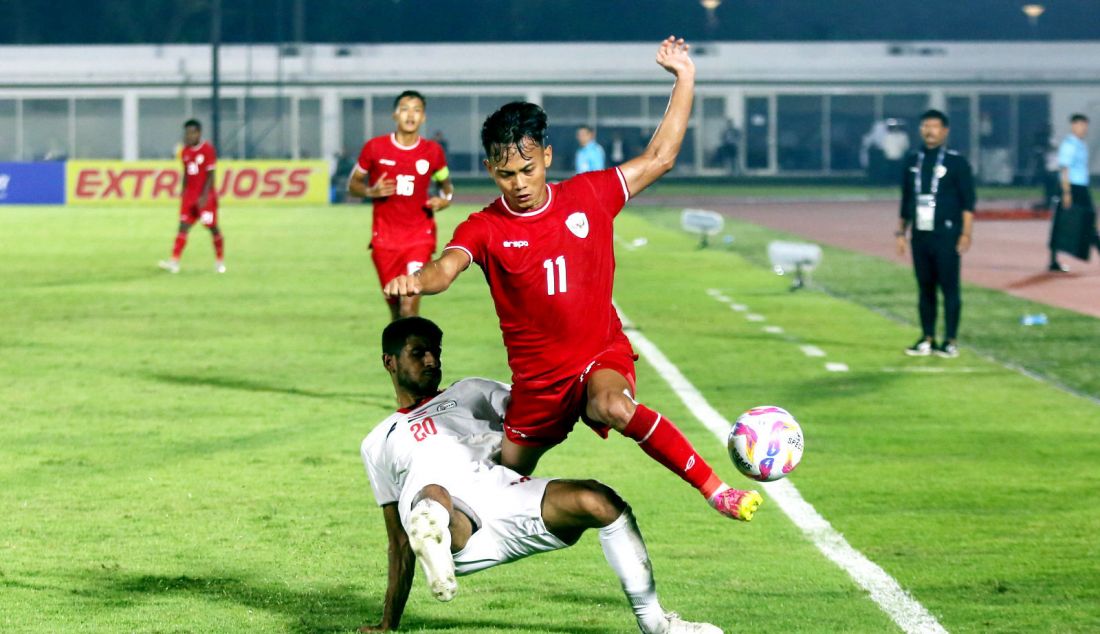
937	204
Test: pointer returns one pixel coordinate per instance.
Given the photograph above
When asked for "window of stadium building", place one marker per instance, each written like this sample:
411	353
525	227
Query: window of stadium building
309	128
353	125
9	143
160	125
46	130
230	124
799	132
451	124
267	127
851	118
98	128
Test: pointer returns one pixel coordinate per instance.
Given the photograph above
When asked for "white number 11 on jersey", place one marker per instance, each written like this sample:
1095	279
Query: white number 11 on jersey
549	266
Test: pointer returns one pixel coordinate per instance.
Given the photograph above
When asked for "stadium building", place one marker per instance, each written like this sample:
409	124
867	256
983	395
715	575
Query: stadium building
796	109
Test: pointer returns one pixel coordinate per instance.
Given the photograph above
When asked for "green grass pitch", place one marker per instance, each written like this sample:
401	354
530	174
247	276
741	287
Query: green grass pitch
180	453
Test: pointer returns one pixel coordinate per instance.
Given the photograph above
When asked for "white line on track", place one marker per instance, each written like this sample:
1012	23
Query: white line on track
836	367
754	317
773	330
906	611
739	307
812	351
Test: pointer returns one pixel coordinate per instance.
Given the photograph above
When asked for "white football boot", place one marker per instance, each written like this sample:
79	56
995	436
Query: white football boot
172	266
430	539
676	625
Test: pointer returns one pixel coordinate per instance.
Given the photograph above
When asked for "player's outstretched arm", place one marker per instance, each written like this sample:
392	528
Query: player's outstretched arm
660	155
402	567
436	276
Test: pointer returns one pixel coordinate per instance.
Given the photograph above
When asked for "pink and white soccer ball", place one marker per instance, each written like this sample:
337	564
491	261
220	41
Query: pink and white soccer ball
765	443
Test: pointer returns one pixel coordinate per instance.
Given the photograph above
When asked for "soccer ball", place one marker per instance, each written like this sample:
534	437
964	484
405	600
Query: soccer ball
765	443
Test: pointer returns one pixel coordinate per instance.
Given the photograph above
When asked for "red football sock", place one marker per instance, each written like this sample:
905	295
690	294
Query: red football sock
662	441
177	248
219	246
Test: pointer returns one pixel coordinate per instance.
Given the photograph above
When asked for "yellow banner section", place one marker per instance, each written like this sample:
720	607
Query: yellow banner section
159	182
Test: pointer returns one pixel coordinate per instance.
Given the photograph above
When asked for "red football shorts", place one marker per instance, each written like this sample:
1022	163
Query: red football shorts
190	212
391	263
542	415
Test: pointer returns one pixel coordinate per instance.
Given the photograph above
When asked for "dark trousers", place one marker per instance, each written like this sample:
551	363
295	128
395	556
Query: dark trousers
936	263
1082	199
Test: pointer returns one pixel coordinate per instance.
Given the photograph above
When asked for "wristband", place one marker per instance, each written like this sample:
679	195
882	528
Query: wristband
447	196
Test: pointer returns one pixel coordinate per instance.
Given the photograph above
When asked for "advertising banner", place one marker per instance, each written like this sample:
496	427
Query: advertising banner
160	182
32	183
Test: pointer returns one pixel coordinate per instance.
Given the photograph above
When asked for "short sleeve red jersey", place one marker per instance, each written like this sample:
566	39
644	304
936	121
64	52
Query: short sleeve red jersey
199	162
403	219
551	272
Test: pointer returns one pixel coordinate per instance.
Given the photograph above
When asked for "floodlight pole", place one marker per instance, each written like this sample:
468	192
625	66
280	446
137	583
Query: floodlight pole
215	81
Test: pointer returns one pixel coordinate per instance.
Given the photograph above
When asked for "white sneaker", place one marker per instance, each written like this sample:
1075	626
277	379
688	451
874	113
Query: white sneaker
172	266
219	267
676	625
431	541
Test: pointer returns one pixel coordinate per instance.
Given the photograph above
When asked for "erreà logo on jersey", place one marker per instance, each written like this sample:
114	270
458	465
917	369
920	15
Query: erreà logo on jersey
422	167
578	224
515	244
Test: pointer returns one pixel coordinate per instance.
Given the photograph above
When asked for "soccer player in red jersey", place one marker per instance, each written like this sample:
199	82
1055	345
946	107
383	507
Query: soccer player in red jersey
396	171
548	255
200	200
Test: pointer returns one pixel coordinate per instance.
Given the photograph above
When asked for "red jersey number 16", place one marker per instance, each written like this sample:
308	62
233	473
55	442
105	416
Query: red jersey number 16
406	185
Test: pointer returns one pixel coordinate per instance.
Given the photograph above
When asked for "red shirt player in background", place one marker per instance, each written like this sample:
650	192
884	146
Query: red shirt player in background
396	171
548	254
200	200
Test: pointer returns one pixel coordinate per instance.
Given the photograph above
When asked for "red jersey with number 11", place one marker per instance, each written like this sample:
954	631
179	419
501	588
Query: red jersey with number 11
551	272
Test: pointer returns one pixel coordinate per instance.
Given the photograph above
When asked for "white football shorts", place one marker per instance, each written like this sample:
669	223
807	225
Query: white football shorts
506	507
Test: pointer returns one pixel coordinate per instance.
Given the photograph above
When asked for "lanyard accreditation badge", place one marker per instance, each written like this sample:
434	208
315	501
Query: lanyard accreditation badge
926	203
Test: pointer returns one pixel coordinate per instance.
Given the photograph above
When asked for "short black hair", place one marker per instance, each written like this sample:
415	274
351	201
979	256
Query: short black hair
397	333
410	93
192	123
1077	116
936	114
585	126
509	126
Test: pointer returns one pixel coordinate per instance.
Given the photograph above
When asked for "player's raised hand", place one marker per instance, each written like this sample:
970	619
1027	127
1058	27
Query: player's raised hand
673	56
382	187
403	286
437	203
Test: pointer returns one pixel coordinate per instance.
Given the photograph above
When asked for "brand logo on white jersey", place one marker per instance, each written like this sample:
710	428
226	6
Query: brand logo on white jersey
387	162
422	167
515	244
578	224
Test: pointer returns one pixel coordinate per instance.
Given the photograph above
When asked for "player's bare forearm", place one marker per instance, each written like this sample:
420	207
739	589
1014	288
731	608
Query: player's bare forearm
443	200
357	184
402	564
660	155
436	276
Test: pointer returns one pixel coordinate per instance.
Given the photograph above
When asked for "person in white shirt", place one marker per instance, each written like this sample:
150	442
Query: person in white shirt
432	468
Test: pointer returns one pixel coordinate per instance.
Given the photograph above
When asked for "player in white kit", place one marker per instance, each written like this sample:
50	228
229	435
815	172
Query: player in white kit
432	467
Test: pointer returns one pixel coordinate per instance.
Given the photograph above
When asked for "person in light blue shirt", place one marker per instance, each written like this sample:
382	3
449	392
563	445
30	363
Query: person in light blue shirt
590	155
1073	163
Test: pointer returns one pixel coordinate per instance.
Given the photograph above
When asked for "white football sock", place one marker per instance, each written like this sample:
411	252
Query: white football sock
719	491
626	553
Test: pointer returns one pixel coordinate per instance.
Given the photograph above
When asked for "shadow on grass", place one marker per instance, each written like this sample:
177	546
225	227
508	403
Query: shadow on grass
324	609
247	385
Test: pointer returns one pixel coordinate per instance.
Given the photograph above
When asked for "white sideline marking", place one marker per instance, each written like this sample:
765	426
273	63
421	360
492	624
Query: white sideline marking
713	292
906	611
739	307
755	317
812	351
836	367
723	299
775	330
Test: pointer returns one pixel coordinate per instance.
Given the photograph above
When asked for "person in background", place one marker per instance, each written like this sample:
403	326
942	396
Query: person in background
1073	163
937	202
590	155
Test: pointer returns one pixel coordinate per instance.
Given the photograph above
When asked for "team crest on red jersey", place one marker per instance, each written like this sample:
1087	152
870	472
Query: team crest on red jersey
578	224
422	167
